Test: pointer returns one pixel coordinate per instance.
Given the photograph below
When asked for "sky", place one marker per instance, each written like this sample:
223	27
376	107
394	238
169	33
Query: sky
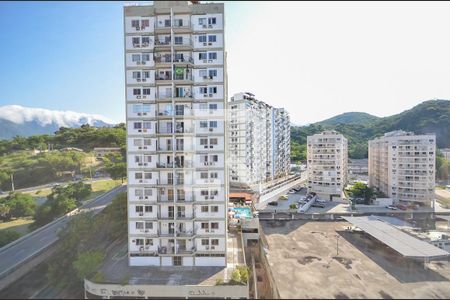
316	60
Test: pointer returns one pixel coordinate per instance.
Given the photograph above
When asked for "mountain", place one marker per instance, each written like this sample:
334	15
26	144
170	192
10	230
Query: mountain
28	121
349	118
431	116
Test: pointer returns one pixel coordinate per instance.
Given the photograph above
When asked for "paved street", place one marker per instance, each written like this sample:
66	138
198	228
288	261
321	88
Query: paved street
273	195
40	239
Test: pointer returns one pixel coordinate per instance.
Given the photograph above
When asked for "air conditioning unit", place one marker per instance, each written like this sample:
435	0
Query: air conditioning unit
205	95
144	79
138	79
139	130
211	180
212	248
206	197
144	44
206	230
205	77
206	146
210	26
145	147
207	247
140	180
204	26
144	114
212	197
211	129
211	147
143	62
140	198
136	45
139	147
137	28
205	61
210	95
144	130
141	214
139	164
138	62
141	248
146	197
209	44
144	97
210	60
138	97
146	230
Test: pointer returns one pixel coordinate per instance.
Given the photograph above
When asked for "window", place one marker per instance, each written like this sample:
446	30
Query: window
212	21
212	38
213	89
205	242
149	242
134	23
203	142
139	242
135	41
203	106
148	208
177	261
138	192
137	108
203	90
148	192
145	56
213	124
146	40
215	158
139	208
146	91
146	74
202	21
204	175
213	106
214	175
214	225
202	55
213	141
178	40
214	242
139	225
205	225
202	38
212	55
147	142
146	108
203	124
135	57
136	92
136	75
137	125
137	175
202	73
204	209
204	193
146	23
147	125
148	175
214	209
148	225
212	73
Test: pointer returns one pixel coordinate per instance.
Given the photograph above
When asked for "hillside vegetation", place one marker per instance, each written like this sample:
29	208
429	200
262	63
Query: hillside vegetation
350	117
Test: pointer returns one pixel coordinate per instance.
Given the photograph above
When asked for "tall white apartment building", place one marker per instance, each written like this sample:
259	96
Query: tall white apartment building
402	166
176	91
259	141
327	156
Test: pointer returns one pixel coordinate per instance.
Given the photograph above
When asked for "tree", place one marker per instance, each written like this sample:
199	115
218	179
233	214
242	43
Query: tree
87	263
361	190
20	205
117	170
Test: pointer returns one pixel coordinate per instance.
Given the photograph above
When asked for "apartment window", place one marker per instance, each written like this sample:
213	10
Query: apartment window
213	90
205	242
212	73
203	142
212	38
215	158
202	73
203	124
137	108
137	159
135	57
213	141
148	208
214	192
204	175
148	175
202	55
139	208
214	209
146	74
214	225
134	23
202	38
202	21
138	193
205	225
137	125
203	90
146	91
178	40
149	242
146	108
136	75
204	193
139	242
203	106
147	142
137	175
148	225
145	56
139	225
147	125
148	192
145	23
213	124
135	41
212	55
136	92
146	40
214	175
214	242
212	21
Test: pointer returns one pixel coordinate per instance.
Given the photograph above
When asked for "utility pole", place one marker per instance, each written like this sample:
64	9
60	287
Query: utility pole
337	245
90	173
12	182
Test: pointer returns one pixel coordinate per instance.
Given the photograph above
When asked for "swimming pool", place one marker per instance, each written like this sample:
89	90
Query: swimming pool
242	212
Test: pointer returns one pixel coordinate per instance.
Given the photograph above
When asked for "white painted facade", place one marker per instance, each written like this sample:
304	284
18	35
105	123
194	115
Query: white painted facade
259	141
402	166
327	156
175	91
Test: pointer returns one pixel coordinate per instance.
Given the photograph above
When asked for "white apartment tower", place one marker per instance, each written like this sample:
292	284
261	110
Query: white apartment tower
259	141
176	91
327	164
402	166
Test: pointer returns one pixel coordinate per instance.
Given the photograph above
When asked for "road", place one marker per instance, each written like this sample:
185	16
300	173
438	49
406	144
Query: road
49	185
13	255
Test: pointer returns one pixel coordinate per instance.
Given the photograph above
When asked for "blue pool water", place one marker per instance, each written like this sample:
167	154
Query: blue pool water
243	212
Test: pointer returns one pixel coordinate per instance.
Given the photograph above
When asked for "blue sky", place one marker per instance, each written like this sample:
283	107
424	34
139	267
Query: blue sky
314	59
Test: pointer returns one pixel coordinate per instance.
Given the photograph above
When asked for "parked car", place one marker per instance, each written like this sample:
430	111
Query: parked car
273	203
402	207
284	197
391	207
320	205
321	201
291	192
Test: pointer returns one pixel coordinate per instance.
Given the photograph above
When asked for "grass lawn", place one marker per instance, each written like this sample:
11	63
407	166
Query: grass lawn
100	187
40	193
18	225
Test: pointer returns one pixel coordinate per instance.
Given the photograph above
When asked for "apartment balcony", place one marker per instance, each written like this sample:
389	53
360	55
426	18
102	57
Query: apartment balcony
180	45
185	164
167	60
184	26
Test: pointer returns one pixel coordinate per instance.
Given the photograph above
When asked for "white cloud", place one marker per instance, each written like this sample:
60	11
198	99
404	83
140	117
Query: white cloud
19	114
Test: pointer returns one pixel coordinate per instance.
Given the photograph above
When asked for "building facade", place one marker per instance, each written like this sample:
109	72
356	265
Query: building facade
259	141
402	166
176	90
327	157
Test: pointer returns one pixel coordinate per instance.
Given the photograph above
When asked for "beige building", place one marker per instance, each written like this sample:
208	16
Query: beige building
176	91
402	166
327	164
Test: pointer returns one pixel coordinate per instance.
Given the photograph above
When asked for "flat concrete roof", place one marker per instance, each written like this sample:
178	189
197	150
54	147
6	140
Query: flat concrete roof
396	239
447	218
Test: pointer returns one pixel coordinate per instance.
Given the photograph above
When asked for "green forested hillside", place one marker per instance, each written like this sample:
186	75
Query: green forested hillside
349	118
428	117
